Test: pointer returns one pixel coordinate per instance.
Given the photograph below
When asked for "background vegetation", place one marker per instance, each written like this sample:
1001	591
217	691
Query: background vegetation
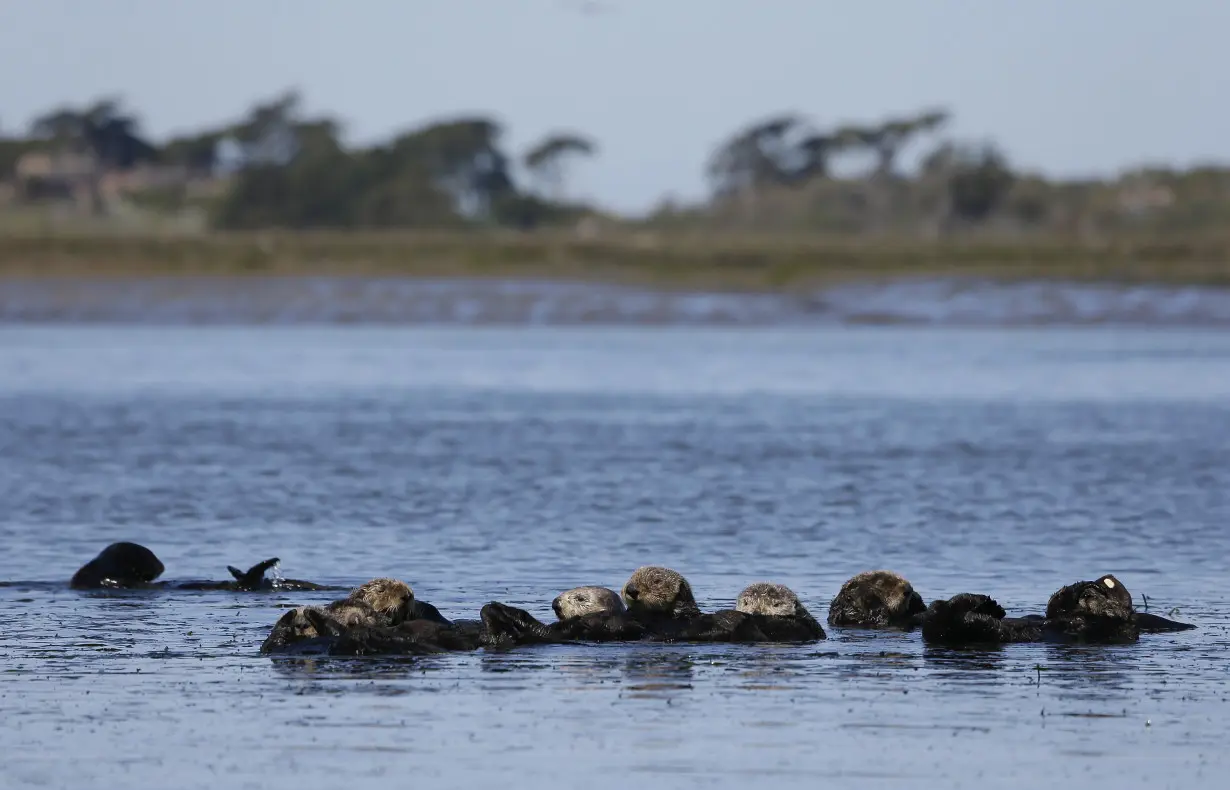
791	201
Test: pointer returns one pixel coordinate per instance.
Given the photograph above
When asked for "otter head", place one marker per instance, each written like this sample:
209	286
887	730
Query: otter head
876	598
659	591
581	601
391	598
119	565
311	622
1106	597
770	599
294	626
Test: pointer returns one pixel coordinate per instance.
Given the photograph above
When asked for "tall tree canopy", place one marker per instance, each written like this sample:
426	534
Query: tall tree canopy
546	160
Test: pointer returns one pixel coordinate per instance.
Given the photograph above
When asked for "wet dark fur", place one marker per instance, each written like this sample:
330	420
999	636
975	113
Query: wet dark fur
413	637
1091	612
120	565
509	625
876	599
1098	611
352	626
969	619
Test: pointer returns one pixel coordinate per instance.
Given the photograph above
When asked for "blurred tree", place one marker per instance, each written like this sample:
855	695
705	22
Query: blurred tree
770	151
462	157
546	160
977	177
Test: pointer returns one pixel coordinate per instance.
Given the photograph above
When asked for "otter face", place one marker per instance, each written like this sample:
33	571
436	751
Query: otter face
389	597
294	626
348	614
1106	597
875	598
581	601
655	590
769	599
310	622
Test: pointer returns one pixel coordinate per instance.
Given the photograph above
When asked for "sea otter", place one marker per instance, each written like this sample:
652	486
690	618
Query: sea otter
660	606
1100	611
120	565
877	599
380	617
778	613
379	602
253	579
133	566
969	619
661	600
586	614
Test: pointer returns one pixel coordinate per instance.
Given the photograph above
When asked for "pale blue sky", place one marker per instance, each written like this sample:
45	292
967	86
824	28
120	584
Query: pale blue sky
1066	86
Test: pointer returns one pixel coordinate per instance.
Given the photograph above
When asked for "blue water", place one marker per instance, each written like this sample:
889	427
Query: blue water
510	464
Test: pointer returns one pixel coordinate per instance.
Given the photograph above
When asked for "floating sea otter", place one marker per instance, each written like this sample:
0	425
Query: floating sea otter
1097	612
659	607
877	599
122	565
132	566
585	614
380	617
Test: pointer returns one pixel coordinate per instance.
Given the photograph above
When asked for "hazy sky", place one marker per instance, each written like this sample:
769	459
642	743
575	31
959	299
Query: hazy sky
1066	86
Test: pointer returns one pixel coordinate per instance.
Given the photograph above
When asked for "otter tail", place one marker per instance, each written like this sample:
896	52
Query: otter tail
1153	624
252	578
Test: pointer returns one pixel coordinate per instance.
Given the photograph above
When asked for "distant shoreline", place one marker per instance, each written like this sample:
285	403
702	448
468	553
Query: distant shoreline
425	291
649	259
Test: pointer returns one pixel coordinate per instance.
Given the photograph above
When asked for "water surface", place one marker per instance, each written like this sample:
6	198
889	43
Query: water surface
509	464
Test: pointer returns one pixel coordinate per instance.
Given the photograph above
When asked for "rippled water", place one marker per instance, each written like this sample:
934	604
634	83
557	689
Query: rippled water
511	464
406	300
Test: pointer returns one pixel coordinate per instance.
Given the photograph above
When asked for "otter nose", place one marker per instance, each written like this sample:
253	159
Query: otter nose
556	607
631	591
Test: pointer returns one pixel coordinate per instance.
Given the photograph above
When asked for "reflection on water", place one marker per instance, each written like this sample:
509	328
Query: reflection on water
510	465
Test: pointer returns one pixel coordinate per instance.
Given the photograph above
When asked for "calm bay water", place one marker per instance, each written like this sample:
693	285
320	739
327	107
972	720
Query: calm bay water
510	464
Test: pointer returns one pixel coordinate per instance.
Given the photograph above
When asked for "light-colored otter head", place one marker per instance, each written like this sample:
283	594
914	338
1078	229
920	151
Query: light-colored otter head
660	591
390	598
770	599
580	601
875	598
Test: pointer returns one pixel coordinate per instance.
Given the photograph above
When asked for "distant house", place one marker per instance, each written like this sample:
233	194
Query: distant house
54	175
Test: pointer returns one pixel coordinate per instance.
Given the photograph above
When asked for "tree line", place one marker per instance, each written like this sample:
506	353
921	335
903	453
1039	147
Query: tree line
285	168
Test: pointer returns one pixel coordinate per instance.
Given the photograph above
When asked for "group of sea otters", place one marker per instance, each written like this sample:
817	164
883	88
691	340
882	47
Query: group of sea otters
382	616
